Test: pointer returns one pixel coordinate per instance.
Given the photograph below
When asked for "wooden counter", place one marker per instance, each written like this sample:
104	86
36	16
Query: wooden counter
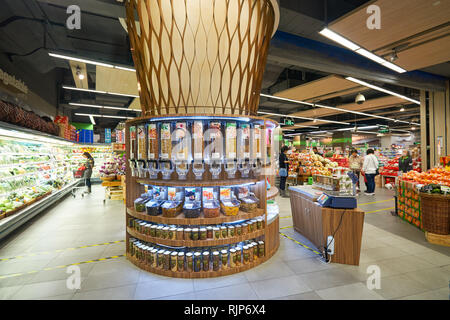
316	223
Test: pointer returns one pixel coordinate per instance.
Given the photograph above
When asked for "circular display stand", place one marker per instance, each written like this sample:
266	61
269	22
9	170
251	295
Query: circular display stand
269	233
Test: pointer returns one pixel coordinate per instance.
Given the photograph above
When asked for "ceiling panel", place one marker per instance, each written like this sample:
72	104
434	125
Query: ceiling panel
116	80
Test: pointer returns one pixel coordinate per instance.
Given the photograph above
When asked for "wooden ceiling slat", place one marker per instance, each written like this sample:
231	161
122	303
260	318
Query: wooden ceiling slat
116	80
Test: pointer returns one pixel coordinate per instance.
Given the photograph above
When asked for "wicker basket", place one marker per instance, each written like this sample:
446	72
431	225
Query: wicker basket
435	213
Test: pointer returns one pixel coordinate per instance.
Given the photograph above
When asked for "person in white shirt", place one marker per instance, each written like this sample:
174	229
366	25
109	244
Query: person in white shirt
370	167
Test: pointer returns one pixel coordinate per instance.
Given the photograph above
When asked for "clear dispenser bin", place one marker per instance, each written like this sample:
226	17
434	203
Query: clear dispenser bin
198	168
141	168
256	167
153	169
215	167
166	169
182	168
133	167
244	167
231	168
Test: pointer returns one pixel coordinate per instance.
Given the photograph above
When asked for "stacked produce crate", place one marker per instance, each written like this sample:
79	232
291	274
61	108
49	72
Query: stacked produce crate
408	203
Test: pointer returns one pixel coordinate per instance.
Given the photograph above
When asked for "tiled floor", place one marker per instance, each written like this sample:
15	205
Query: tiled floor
411	268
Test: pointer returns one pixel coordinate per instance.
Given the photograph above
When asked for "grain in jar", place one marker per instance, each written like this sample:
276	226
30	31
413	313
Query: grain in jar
216	233
165	233
195	234
224	258
209	233
223	232
244	228
206	264
180	262
250	252
179	235
188	234
172	233
154	257
231	231
259	223
189	261
232	258
173	261
161	259
203	234
238	229
197	262
166	262
153	231
252	226
246	254
159	230
216	261
255	250
261	249
238	256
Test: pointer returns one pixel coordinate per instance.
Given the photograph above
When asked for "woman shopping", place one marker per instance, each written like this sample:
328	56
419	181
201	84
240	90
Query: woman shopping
89	164
283	162
370	169
355	163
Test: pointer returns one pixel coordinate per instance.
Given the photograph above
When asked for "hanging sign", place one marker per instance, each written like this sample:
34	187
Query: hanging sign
107	135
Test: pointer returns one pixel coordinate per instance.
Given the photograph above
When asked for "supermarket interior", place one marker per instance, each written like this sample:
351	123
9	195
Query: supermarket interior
224	150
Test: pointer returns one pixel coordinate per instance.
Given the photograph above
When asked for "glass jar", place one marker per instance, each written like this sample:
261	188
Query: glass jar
195	234
206	264
153	231
232	258
180	262
197	262
252	226
255	250
161	259
216	261
172	233
209	233
167	260
165	233
216	233
261	250
259	223
179	235
203	234
154	257
246	254
231	231
159	231
189	262
238	256
244	228
238	230
188	234
250	252
173	261
223	232
224	258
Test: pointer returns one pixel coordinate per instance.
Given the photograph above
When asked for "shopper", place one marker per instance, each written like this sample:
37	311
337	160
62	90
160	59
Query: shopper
370	168
89	166
355	163
316	151
283	162
405	163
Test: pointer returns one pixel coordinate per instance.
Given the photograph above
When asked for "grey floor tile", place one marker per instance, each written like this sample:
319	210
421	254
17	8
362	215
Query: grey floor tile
278	287
60	297
59	274
183	296
269	270
439	294
376	254
399	286
362	272
8	292
327	279
302	296
433	278
110	280
236	292
210	283
435	258
163	288
313	264
43	290
116	293
405	264
354	291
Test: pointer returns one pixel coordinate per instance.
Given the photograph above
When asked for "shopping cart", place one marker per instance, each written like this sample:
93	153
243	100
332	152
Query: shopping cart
79	175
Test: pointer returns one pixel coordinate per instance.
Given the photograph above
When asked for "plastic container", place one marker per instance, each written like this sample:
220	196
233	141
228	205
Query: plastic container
171	209
211	209
192	209
153	207
139	204
249	204
230	207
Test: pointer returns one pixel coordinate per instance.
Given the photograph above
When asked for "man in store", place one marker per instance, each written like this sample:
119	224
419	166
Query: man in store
370	168
355	164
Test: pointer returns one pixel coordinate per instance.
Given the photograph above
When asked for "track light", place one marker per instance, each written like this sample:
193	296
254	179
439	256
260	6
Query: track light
79	73
402	109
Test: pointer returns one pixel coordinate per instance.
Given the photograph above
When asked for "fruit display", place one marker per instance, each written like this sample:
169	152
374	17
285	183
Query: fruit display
116	166
408	203
433	176
390	167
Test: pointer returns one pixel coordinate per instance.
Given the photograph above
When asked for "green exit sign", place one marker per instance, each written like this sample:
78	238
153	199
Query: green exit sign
383	129
288	122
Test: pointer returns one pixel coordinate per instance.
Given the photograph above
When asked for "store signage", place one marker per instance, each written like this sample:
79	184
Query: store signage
383	129
107	135
288	122
9	80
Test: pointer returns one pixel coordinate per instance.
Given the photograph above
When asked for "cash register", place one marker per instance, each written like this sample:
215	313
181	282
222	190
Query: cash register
336	200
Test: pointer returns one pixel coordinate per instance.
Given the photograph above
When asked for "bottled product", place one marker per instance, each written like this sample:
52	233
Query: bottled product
188	234
224	258
261	249
172	233
195	234
232	258
238	256
173	261
166	262
197	262
209	232
180	262
206	264
180	234
216	261
203	234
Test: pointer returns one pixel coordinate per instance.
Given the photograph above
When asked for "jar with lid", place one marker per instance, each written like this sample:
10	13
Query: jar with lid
238	229
153	231
159	231
180	262
223	232
216	261
252	226
187	234
206	265
261	250
172	233
197	262
165	233
224	258
232	258
195	234
231	231
255	250
259	223
209	232
173	261
250	252
246	254
179	235
238	256
154	257
203	234
166	263
244	228
160	261
189	262
216	233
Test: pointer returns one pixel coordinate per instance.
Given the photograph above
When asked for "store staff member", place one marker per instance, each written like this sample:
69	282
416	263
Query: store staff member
405	163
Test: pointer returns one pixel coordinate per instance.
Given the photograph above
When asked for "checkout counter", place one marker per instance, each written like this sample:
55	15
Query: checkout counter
335	215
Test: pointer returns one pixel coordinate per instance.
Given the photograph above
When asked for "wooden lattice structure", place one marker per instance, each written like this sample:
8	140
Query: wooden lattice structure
200	56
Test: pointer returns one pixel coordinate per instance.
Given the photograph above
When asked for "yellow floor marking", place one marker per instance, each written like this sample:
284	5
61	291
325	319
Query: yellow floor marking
380	210
298	242
363	204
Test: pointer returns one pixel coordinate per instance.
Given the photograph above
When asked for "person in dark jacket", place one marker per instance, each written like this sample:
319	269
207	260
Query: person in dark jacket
89	164
283	162
405	163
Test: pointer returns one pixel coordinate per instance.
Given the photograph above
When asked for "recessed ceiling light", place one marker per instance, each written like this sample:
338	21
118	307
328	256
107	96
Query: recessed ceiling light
402	109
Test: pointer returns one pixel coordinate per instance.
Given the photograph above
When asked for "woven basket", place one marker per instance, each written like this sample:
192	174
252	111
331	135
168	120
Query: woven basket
435	213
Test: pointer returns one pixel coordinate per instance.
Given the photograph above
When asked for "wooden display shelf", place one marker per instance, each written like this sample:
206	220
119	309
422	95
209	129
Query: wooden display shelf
201	220
201	274
114	183
191	243
272	192
195	183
